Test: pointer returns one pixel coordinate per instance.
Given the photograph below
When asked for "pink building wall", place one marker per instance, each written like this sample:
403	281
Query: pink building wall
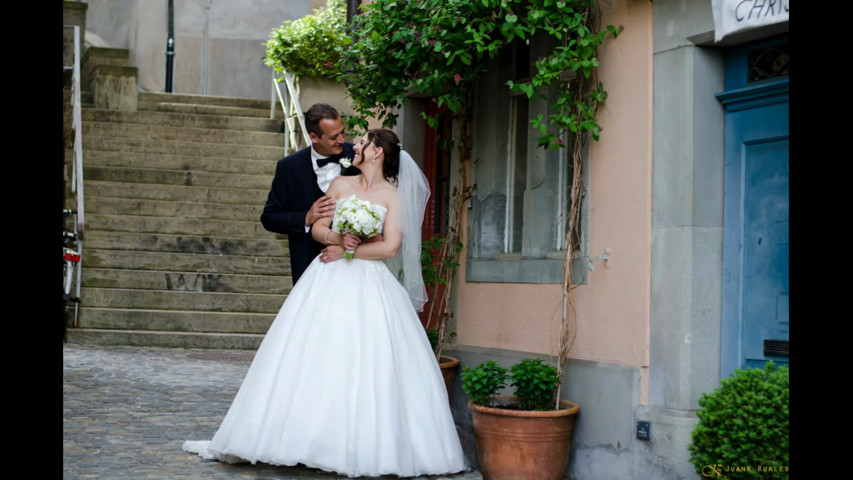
613	307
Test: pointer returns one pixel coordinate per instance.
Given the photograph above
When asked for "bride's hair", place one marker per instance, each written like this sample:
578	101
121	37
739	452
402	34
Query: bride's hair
391	150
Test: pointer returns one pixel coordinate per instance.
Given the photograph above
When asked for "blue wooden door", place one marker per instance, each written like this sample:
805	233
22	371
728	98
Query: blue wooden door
756	216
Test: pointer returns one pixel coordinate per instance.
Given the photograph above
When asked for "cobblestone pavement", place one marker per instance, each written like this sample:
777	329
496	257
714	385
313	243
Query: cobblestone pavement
128	410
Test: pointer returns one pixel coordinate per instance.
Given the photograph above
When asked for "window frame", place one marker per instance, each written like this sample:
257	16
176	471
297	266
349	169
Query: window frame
540	258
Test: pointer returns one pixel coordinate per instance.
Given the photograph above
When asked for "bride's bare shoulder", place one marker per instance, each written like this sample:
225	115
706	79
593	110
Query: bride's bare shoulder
389	195
341	186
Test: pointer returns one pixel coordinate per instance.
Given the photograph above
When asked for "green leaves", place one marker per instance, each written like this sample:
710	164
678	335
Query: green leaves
534	381
311	45
482	383
535	384
435	270
744	423
440	49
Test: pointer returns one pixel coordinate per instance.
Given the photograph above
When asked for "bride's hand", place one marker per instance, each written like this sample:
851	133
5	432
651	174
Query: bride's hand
331	253
350	241
375	238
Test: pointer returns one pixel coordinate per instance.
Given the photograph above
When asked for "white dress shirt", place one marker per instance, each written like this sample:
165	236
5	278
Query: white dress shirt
325	174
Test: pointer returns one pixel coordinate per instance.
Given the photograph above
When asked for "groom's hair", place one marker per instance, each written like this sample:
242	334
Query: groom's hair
390	144
315	114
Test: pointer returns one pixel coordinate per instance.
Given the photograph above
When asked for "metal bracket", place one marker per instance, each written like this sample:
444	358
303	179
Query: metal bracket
604	257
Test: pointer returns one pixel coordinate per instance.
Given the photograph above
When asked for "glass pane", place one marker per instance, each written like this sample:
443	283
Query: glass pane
518	172
769	62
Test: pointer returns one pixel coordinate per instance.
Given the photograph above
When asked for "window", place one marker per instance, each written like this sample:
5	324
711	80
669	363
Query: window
517	214
516	181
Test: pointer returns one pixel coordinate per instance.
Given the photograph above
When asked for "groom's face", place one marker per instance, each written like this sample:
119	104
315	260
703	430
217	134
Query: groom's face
332	140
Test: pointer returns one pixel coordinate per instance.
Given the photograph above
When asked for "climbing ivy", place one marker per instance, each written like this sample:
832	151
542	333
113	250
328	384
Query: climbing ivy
440	48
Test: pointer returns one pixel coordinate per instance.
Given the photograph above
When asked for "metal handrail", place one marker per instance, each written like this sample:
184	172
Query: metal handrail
290	106
77	126
77	160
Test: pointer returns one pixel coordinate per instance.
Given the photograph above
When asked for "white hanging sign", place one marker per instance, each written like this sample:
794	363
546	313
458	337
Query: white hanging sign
733	16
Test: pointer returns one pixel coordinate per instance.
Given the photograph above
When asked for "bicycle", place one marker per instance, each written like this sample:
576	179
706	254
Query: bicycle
70	268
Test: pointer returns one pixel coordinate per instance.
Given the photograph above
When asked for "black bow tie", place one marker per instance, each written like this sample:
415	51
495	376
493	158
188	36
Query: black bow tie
321	162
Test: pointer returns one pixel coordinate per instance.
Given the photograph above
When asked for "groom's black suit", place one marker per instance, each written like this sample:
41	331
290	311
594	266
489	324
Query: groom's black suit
294	189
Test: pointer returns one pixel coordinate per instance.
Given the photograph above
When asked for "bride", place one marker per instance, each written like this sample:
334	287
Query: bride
345	379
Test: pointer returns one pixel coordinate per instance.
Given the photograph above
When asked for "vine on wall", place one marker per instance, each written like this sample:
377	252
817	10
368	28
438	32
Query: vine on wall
441	48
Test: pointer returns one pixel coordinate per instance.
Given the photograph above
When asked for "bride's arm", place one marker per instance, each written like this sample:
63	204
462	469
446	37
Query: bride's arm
322	232
391	239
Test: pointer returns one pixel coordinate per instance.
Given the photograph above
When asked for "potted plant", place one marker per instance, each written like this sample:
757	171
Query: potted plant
522	436
438	264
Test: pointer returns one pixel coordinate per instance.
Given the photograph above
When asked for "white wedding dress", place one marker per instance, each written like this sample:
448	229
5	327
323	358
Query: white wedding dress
344	381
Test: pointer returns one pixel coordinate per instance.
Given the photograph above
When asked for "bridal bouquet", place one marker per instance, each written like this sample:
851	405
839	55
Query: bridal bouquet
358	217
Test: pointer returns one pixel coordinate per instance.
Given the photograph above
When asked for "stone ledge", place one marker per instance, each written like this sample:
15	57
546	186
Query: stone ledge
114	87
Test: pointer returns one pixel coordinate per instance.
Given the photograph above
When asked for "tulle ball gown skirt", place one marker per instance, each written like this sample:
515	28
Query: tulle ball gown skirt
344	381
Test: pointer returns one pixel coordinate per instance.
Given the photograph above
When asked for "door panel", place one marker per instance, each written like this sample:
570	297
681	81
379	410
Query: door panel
755	323
765	250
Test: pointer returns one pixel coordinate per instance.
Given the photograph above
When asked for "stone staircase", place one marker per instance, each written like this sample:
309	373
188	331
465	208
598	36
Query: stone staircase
174	253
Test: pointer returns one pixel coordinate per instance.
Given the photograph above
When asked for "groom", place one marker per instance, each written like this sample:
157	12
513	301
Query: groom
298	197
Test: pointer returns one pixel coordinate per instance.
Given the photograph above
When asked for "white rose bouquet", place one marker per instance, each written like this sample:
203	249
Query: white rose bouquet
358	217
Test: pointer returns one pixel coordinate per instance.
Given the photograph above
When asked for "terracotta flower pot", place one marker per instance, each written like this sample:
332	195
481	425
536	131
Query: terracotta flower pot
448	371
521	444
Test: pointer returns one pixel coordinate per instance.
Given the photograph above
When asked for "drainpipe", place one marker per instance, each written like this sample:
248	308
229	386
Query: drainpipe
353	9
204	55
170	48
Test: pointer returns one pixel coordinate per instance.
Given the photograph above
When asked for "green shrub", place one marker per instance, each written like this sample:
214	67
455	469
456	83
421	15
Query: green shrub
482	383
535	384
743	426
311	45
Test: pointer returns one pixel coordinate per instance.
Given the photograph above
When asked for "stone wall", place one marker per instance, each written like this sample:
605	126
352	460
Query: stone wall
219	45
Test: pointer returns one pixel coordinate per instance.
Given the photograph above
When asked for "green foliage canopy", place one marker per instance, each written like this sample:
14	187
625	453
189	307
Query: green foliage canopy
439	48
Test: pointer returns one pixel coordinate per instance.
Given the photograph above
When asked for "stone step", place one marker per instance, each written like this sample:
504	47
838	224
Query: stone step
173	133
166	161
178	226
147	100
174	320
181	300
134	146
186	281
235	341
181	119
161	208
178	193
176	177
183	262
217	110
272	246
174	253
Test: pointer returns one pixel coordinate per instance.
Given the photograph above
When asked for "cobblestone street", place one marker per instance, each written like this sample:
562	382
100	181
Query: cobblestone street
128	410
